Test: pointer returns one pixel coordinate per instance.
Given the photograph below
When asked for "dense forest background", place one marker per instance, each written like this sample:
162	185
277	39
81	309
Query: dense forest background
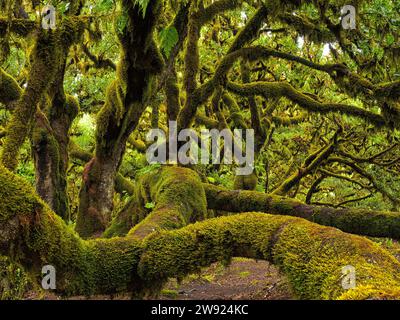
77	101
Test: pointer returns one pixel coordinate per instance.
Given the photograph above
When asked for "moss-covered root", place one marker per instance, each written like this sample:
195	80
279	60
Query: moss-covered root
178	196
248	182
357	221
312	256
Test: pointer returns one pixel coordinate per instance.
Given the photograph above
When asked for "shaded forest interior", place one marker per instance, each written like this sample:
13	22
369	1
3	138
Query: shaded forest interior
78	99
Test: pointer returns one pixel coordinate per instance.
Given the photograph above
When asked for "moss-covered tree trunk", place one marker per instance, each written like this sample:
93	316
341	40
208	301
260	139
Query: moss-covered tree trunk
126	100
40	76
50	136
50	153
44	112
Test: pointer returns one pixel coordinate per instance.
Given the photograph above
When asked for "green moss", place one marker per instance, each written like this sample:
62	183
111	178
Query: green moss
358	221
311	256
171	294
131	214
178	196
172	95
369	292
284	89
22	27
14	281
71	107
139	62
235	114
40	77
15	203
83	267
248	182
50	177
72	29
9	88
250	30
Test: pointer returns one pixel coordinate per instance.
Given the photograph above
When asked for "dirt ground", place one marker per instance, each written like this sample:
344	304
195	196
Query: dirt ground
243	279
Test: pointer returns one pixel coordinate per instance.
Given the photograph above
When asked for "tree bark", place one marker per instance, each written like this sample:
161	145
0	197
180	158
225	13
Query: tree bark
126	100
50	141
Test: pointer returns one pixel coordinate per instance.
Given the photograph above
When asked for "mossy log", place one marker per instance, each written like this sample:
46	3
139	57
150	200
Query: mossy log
311	256
358	221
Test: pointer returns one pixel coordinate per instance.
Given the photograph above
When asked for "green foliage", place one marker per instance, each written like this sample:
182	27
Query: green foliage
371	53
14	282
149	205
26	168
104	5
83	130
27	171
148	169
63	7
143	5
122	22
168	38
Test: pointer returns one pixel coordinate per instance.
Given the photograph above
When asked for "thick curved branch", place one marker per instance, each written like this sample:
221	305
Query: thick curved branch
358	221
217	7
350	82
179	199
283	89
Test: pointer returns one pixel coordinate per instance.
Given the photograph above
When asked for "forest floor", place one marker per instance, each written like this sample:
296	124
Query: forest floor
243	279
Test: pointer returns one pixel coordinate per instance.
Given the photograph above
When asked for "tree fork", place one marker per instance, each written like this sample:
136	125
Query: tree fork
126	100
